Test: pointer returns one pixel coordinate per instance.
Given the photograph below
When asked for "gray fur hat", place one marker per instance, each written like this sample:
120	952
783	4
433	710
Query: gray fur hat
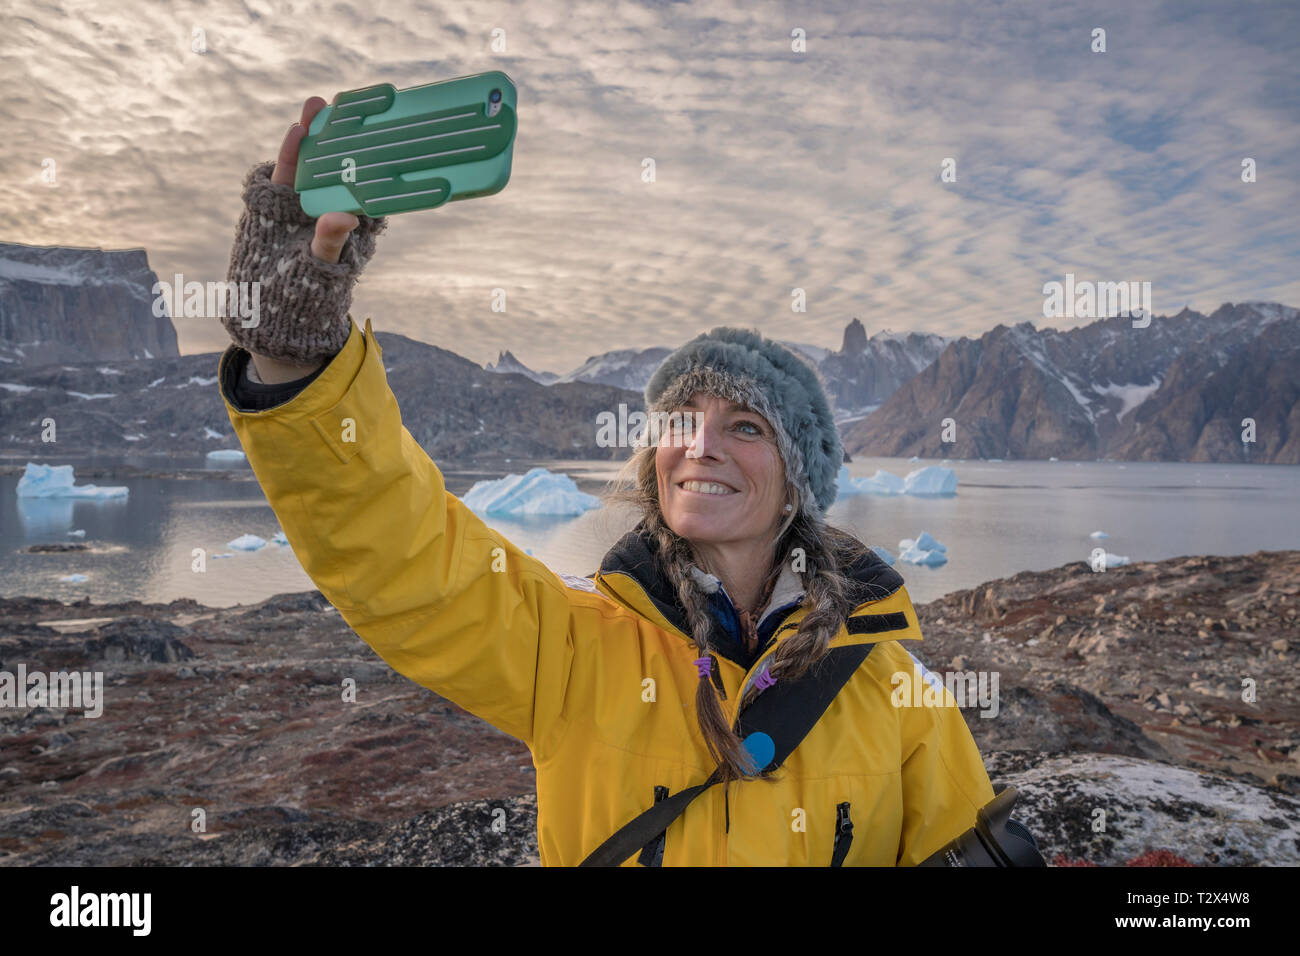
740	365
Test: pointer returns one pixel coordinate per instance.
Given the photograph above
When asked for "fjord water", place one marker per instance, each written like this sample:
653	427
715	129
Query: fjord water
1006	517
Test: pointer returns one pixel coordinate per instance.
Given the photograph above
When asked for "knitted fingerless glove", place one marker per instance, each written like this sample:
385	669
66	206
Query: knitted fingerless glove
303	301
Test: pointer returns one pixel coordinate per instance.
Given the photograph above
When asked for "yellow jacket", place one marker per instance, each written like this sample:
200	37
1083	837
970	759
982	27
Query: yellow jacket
593	677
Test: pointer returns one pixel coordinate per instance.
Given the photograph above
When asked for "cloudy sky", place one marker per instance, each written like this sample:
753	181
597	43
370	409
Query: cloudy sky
775	169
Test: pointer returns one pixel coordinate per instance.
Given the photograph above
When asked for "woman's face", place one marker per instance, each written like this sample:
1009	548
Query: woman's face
720	444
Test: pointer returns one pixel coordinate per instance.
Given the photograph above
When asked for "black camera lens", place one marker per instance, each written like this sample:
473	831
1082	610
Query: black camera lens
495	96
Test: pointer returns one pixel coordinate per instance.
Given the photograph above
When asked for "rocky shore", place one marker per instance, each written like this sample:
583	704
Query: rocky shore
226	739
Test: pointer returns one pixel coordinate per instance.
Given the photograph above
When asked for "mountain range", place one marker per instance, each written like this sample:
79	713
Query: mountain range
79	343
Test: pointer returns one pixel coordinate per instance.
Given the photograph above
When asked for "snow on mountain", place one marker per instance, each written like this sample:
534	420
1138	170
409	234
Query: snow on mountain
1174	390
623	368
814	352
507	363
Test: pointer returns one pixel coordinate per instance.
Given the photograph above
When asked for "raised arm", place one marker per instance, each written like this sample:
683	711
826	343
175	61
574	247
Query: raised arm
445	600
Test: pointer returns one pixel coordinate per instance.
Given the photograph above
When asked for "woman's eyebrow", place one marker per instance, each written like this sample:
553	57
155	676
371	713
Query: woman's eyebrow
731	407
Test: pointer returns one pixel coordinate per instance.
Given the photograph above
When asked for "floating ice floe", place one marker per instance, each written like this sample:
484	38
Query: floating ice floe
246	542
56	481
226	454
79	533
884	554
923	549
536	492
224	554
74	578
881	483
1116	560
1099	535
280	538
930	480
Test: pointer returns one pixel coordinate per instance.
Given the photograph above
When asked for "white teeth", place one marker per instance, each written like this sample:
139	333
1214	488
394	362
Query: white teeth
707	487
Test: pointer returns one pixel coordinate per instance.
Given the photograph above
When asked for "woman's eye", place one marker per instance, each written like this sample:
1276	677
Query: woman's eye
756	431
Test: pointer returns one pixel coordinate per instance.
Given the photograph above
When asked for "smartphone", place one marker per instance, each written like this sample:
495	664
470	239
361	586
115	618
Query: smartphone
380	151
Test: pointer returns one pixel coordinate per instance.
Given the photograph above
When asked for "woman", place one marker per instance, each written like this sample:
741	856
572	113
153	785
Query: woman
626	689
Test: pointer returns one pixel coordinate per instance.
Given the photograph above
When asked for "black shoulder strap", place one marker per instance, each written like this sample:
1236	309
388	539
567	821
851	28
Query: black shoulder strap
784	712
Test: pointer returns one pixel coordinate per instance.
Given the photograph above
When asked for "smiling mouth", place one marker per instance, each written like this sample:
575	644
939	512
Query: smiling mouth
712	488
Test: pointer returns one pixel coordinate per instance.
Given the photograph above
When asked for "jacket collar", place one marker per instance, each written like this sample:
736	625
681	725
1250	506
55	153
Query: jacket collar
629	573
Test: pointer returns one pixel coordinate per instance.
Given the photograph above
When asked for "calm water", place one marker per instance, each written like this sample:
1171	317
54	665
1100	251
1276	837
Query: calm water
1006	517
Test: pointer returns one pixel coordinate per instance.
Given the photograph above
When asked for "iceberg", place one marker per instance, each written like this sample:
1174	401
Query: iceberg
536	492
923	549
1099	535
915	555
226	454
1116	560
74	578
246	542
881	483
927	543
931	480
79	533
56	481
280	538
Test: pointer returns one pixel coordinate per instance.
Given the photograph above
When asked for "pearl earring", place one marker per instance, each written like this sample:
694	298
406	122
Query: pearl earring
789	507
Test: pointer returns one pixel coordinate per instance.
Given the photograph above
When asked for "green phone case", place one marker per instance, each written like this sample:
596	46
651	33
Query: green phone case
379	151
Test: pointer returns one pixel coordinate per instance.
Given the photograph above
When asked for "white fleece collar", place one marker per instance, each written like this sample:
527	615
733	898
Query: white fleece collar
788	587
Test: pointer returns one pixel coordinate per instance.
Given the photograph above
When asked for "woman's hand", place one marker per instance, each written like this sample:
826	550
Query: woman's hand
304	278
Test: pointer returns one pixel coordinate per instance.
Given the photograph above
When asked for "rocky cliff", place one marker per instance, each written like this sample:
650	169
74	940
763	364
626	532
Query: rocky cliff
63	304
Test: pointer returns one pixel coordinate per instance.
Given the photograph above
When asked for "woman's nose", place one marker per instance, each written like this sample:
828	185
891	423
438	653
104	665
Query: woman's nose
702	436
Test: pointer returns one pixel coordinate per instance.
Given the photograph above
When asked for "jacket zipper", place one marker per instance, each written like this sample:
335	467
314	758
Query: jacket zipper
652	854
843	834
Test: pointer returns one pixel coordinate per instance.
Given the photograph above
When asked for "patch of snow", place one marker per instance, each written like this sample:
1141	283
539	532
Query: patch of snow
20	389
1272	311
1130	396
196	380
208	433
105	370
92	397
157	381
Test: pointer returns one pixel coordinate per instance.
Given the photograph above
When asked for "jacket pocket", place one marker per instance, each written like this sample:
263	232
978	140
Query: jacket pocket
843	834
